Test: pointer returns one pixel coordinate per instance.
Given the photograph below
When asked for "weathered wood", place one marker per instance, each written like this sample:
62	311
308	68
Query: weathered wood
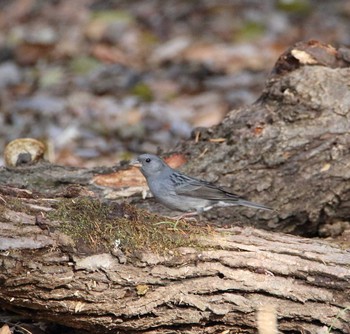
290	149
215	287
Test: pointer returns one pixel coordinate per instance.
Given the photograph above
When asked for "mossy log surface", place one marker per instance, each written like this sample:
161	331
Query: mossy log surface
216	284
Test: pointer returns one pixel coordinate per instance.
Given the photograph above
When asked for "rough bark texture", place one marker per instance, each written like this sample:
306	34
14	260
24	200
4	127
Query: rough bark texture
218	286
290	150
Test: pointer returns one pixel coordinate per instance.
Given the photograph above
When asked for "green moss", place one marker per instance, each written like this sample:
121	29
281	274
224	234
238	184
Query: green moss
50	77
97	226
111	16
149	39
250	31
14	204
21	208
143	91
2	210
295	6
83	65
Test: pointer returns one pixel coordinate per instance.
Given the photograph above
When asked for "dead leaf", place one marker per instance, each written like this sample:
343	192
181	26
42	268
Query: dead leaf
176	160
109	54
27	54
124	178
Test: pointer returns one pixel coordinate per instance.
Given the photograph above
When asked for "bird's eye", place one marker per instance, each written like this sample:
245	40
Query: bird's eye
148	160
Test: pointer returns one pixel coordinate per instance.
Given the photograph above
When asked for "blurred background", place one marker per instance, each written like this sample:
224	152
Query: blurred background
100	81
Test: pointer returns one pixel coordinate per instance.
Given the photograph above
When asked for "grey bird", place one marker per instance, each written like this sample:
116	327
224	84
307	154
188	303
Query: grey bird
180	192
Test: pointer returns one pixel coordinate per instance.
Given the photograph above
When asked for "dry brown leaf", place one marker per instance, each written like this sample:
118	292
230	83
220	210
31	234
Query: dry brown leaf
109	54
28	54
124	178
176	160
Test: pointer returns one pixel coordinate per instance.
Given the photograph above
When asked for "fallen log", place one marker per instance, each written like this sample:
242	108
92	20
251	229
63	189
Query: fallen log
215	280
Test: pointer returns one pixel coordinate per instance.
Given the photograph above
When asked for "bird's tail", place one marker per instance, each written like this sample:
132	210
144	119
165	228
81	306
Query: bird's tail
253	205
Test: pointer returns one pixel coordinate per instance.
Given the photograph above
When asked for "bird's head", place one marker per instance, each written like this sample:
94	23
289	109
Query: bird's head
149	164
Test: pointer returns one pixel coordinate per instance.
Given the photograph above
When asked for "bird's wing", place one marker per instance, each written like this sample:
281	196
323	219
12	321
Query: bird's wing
188	186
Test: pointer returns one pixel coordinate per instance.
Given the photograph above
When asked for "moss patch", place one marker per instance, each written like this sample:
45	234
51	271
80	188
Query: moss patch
97	227
29	206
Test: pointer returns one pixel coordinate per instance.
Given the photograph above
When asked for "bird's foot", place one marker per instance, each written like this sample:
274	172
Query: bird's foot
188	216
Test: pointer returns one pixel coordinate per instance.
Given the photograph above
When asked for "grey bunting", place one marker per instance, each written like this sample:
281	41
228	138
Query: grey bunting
180	192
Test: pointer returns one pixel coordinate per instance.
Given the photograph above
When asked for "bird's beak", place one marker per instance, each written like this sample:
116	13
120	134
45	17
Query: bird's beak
135	163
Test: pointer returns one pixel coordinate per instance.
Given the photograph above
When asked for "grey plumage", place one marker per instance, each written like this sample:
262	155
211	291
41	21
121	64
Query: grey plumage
180	192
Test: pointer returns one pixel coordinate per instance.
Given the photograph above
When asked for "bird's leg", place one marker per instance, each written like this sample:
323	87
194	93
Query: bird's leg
188	216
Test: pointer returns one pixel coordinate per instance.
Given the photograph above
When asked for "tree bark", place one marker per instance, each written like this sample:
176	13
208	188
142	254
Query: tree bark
216	286
289	150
